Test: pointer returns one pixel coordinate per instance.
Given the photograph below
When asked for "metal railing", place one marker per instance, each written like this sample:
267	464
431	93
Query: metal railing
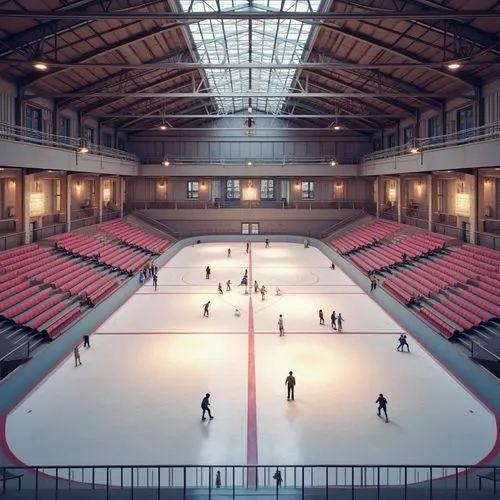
477	134
12	240
200	204
159	481
12	132
19	355
325	160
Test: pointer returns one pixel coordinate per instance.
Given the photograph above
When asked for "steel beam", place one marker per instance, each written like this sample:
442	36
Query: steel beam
44	31
249	15
244	95
237	66
468	32
403	53
255	116
26	82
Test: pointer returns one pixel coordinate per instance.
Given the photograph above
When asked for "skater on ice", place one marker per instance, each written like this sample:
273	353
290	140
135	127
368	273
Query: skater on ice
382	406
290	385
219	289
205	309
205	403
207	272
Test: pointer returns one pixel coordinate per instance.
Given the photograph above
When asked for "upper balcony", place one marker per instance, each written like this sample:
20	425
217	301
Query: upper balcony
26	148
471	148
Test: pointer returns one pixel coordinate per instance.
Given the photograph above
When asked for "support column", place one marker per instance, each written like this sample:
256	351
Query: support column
474	184
68	203
429	201
98	198
121	183
398	197
479	107
377	195
26	217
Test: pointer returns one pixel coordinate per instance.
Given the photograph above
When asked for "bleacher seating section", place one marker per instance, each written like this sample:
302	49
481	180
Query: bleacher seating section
41	287
134	236
453	289
365	236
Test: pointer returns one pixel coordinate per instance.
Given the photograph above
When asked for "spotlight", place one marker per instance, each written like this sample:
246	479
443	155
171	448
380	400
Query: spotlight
336	127
414	150
249	163
333	163
163	127
454	65
166	162
83	148
40	66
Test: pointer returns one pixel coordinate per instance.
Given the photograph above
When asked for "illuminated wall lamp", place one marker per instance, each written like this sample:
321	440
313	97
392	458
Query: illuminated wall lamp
487	181
333	163
166	162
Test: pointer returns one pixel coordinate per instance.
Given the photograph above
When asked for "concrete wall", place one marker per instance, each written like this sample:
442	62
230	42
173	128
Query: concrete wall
27	155
271	221
474	155
226	141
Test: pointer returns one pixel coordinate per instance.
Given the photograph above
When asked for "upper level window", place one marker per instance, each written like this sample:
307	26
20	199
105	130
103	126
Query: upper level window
308	190
64	128
233	189
407	134
88	134
391	141
432	127
267	189
193	189
107	140
377	144
34	120
121	144
465	121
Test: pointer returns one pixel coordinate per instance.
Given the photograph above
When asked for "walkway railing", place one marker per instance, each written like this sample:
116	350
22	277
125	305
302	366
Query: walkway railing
419	145
23	134
159	481
270	161
200	204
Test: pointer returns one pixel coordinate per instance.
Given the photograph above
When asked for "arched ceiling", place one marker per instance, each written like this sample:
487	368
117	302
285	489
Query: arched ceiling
363	64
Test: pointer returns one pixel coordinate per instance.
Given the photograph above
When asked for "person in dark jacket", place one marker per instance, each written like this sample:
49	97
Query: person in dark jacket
382	406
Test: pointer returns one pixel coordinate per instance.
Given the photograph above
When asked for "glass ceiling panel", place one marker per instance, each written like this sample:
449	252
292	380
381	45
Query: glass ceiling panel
232	41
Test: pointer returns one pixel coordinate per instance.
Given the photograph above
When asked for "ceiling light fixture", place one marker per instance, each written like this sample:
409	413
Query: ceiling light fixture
163	127
166	162
333	163
249	163
454	65
40	66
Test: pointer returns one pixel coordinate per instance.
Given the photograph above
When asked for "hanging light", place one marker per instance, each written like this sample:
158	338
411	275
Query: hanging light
249	163
40	66
454	65
166	162
333	163
163	127
83	148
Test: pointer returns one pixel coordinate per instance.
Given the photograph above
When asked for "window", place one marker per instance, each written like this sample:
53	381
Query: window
193	190
121	144
407	135
377	145
88	134
107	140
465	122
64	129
233	189
308	190
267	189
432	127
391	141
441	198
249	228
34	121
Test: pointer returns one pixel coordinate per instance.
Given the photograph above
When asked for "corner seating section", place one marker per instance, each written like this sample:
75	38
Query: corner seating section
41	288
455	290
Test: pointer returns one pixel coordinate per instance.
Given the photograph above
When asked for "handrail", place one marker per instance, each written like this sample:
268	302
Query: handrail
8	131
285	160
156	223
341	223
474	342
421	144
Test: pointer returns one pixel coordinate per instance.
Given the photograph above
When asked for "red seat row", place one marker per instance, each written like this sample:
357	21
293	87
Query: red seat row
474	308
55	329
401	291
444	328
36	311
28	302
484	300
458	320
460	311
100	294
37	322
11	292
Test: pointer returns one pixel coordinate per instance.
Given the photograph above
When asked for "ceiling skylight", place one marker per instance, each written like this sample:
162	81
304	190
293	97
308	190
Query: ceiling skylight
236	41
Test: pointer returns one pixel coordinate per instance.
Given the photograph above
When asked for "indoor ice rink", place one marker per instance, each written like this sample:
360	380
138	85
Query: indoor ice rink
154	359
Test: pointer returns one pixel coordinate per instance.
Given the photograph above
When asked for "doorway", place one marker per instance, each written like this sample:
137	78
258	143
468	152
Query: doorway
249	228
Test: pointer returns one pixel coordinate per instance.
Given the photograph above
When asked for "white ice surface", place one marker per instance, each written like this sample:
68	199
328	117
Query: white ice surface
136	397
